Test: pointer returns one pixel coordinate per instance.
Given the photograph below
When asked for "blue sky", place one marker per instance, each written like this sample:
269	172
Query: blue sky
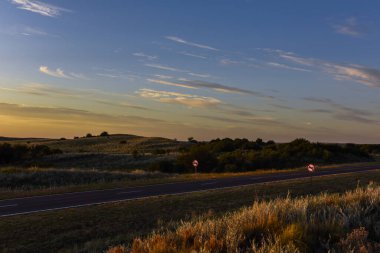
275	69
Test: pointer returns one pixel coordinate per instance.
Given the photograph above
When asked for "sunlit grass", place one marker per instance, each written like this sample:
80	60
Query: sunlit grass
326	222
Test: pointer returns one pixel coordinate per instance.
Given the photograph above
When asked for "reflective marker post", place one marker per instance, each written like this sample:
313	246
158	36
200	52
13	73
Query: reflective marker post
311	169
195	164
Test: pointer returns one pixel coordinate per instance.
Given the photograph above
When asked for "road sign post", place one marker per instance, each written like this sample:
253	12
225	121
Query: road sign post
195	164
311	169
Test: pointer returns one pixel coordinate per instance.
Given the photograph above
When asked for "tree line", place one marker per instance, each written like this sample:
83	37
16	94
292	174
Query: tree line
17	153
227	155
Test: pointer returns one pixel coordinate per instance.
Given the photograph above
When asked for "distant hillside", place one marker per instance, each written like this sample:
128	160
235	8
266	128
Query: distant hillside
4	139
115	144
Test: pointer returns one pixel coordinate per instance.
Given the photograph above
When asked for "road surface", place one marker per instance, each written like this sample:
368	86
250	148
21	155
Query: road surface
27	205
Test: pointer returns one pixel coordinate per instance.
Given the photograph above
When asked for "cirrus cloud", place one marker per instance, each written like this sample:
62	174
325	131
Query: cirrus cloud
59	73
41	8
170	97
189	43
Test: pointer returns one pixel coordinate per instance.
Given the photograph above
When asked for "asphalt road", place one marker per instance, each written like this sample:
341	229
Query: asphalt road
27	205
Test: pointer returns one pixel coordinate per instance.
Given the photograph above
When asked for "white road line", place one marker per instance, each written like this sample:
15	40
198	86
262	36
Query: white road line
8	205
128	192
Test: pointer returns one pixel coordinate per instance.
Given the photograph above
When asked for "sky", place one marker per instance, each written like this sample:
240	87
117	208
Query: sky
276	70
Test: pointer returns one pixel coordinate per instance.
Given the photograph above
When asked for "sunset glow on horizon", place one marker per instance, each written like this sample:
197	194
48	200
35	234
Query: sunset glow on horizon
206	69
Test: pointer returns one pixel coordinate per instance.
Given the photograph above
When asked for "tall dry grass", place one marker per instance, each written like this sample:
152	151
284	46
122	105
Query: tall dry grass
347	222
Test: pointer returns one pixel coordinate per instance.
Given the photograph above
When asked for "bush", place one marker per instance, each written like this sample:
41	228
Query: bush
104	134
165	166
207	160
18	153
242	154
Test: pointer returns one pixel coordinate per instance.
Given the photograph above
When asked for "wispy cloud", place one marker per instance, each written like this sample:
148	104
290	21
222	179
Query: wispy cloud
163	76
55	91
64	114
198	75
209	85
146	56
352	72
223	88
189	100
59	73
342	112
25	30
56	73
356	73
79	76
300	60
122	105
349	27
29	31
182	41
228	62
171	83
284	66
193	55
116	74
163	67
252	120
39	7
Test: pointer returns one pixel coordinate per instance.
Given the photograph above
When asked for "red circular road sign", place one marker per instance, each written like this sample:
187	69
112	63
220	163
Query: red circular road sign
311	168
195	163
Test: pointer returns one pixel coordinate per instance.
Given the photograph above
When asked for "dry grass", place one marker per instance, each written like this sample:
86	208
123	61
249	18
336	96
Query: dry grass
118	143
95	228
346	222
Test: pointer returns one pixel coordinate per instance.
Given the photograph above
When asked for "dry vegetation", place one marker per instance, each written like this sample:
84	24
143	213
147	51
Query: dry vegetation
116	143
95	228
325	223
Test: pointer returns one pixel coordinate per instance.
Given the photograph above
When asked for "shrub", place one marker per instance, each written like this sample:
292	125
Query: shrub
18	153
163	166
104	134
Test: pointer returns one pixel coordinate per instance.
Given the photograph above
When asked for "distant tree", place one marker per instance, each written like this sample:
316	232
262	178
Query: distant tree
62	139
88	135
192	140
103	134
76	137
259	141
207	160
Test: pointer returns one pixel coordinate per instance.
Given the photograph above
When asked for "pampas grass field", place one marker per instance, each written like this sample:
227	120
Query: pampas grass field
348	222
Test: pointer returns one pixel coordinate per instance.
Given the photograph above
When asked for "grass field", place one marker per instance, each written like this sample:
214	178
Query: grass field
113	144
347	222
94	229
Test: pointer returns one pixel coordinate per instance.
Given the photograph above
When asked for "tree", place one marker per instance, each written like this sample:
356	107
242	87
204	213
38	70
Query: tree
103	134
88	135
207	160
191	140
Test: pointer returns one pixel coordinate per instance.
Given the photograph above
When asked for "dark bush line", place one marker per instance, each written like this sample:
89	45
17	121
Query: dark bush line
238	155
18	153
